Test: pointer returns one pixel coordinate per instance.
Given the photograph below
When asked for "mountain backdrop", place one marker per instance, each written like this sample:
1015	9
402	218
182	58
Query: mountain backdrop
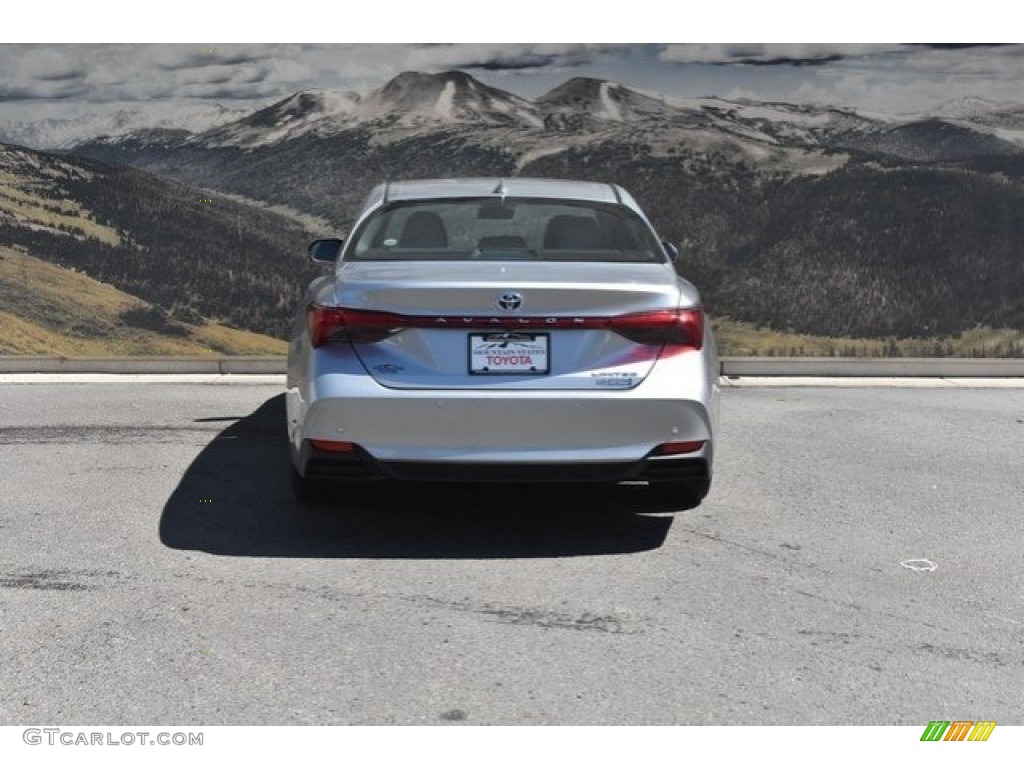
808	221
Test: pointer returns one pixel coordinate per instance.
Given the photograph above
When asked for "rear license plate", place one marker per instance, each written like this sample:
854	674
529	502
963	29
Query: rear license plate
505	353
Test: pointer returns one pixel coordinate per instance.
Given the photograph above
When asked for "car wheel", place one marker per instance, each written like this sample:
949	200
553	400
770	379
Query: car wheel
686	493
306	489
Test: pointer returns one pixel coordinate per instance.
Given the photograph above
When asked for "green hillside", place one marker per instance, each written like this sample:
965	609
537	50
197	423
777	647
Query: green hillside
46	309
190	259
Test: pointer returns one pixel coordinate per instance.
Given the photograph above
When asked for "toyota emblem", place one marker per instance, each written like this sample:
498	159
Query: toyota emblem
510	301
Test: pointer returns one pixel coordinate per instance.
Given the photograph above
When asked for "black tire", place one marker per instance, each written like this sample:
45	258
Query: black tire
306	489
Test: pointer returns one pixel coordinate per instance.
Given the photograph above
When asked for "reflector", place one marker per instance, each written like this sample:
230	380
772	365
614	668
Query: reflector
671	449
333	446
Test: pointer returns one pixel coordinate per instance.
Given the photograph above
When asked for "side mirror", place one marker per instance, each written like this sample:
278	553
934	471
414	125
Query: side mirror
325	251
671	250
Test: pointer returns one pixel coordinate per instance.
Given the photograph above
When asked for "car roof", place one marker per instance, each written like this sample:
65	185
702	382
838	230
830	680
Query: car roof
517	186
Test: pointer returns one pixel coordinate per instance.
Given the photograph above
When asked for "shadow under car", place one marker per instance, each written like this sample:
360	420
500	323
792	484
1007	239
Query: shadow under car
236	499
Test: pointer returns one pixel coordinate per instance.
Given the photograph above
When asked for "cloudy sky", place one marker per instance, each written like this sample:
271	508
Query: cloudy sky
57	79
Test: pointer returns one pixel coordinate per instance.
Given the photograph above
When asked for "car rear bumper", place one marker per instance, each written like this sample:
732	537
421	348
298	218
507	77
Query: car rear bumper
360	466
505	435
469	426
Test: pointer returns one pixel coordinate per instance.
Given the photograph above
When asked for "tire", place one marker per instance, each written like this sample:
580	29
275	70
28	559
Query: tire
306	489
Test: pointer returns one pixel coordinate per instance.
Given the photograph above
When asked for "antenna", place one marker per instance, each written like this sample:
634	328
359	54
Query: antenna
500	190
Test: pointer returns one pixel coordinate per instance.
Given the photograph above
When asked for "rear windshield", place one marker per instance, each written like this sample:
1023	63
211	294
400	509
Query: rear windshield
507	230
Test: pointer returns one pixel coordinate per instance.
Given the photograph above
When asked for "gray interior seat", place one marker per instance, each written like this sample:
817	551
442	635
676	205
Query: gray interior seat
423	229
573	232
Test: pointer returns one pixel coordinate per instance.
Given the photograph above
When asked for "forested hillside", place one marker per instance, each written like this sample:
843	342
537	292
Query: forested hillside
191	253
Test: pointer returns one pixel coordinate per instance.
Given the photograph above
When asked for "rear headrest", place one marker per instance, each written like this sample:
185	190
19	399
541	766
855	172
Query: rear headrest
423	229
572	232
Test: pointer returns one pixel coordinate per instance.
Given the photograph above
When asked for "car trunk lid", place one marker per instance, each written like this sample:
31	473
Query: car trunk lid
516	325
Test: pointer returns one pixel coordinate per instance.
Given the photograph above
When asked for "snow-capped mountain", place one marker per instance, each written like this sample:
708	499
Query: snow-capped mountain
773	138
564	116
463	125
286	119
592	99
410	99
578	106
447	97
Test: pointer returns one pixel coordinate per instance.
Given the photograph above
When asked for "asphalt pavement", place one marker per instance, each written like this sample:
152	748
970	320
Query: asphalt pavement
858	561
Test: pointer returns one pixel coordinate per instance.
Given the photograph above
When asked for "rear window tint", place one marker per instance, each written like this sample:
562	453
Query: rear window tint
509	229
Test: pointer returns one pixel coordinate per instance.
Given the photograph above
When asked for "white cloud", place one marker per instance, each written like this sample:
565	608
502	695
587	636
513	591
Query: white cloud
506	56
734	53
877	77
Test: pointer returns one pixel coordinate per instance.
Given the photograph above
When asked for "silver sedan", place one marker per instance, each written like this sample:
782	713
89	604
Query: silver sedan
502	330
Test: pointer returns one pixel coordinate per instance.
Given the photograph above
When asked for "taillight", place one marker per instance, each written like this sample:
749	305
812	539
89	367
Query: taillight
674	327
338	324
681	329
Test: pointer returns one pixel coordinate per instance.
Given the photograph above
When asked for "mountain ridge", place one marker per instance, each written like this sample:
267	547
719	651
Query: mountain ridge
456	97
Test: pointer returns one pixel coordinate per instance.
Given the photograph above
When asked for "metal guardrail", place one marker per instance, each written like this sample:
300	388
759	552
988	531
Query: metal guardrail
886	367
889	367
214	365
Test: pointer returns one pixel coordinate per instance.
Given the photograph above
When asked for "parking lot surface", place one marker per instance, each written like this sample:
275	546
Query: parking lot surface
857	562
